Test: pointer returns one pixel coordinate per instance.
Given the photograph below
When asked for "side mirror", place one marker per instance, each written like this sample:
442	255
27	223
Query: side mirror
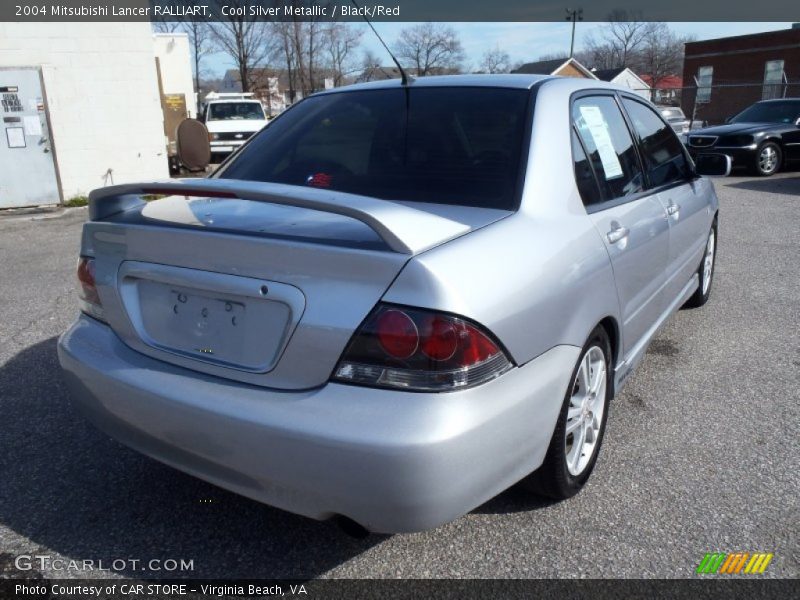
728	119
192	145
713	165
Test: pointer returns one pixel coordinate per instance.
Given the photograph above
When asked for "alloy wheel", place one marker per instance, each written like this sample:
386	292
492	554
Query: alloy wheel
585	411
768	159
708	262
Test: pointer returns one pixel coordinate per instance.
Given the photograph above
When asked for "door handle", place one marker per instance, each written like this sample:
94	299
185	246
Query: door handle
673	209
617	234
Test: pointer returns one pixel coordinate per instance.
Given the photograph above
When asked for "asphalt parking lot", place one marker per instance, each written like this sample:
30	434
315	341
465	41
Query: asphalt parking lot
701	452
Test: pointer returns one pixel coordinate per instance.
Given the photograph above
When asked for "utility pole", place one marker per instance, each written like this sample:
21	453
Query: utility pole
574	15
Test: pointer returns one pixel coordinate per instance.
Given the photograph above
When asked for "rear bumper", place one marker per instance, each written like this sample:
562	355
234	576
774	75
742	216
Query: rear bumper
392	461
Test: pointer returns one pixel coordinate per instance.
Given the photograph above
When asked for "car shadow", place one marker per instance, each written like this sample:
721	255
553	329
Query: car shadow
72	490
516	499
772	185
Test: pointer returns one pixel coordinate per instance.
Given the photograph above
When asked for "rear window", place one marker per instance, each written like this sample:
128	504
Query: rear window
443	145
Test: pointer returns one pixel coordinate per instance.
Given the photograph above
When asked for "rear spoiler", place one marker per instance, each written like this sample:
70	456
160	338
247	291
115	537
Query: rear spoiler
403	229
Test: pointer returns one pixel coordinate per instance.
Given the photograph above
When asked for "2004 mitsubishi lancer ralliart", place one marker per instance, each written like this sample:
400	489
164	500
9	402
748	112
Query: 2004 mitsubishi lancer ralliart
398	299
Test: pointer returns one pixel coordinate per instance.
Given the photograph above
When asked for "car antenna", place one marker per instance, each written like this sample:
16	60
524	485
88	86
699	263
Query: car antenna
404	79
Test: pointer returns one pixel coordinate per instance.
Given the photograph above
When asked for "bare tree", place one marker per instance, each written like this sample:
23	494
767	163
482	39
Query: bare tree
246	42
283	33
622	37
661	54
341	41
430	48
371	68
495	61
201	45
161	25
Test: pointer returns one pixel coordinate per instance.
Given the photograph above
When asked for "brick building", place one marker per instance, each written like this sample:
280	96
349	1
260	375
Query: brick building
735	72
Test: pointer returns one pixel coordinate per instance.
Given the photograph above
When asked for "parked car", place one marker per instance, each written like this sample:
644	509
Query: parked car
675	117
763	137
231	119
397	300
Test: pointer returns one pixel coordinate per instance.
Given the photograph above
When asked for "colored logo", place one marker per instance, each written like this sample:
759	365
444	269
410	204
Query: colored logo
319	180
735	564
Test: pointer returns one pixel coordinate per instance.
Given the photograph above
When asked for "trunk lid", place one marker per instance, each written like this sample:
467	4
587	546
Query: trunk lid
251	290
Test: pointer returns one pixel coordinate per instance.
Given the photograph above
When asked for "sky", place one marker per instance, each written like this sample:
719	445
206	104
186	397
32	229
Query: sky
524	42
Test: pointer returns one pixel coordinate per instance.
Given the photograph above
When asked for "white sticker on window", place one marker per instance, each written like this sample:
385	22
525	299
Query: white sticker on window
602	141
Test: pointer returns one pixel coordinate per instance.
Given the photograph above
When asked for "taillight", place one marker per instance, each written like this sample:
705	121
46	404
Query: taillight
87	292
420	350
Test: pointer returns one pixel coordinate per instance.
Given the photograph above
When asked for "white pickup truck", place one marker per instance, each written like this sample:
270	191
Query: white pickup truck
231	119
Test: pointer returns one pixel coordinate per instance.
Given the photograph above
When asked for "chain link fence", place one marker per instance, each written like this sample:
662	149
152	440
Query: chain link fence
713	104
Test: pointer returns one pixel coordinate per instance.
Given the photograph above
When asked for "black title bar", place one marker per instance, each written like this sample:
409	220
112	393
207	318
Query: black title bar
393	10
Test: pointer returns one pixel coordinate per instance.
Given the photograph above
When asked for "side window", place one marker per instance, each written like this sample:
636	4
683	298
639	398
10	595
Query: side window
584	176
609	145
773	78
705	76
662	152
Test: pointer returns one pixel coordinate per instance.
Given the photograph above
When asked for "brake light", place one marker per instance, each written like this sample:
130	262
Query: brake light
88	297
420	350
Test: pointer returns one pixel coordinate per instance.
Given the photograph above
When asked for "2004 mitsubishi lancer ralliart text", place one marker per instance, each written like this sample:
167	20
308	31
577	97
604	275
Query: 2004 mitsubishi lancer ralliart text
398	299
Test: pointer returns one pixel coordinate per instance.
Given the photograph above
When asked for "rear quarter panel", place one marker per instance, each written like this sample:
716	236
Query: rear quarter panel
535	284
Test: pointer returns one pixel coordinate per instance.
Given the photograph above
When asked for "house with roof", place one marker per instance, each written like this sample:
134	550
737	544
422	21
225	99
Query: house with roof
624	77
667	90
563	67
381	73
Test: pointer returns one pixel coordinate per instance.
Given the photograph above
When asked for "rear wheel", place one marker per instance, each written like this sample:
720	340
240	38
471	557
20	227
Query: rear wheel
768	159
581	424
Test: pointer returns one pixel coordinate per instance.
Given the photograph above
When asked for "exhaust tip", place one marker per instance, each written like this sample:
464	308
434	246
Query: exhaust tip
351	528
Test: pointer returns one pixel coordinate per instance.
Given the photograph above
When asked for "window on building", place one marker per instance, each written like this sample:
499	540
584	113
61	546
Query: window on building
705	75
773	80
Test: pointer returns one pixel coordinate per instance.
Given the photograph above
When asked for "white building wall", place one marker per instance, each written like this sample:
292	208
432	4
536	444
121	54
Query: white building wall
633	83
102	93
175	60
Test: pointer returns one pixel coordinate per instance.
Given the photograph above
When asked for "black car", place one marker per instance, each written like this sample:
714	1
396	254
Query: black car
763	137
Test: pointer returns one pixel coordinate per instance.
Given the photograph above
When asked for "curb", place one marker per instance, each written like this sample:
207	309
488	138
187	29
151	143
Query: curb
40	215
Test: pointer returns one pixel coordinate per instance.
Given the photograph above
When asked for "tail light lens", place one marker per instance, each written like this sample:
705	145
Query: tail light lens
87	291
420	350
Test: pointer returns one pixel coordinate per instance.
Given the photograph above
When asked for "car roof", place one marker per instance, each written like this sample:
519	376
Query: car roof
773	100
511	80
480	80
229	100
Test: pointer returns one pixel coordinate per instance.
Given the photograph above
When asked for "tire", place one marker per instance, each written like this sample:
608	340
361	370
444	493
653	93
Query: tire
556	478
768	159
707	264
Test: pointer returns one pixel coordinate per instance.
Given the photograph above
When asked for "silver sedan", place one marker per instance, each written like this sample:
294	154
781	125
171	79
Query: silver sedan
395	301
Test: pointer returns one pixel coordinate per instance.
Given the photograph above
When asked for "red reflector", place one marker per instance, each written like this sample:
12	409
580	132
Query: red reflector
87	281
86	271
439	338
397	334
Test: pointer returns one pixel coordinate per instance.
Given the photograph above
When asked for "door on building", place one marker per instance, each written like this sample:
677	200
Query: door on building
27	163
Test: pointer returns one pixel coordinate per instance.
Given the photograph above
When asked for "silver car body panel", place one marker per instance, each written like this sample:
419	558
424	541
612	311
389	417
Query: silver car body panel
274	427
393	461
